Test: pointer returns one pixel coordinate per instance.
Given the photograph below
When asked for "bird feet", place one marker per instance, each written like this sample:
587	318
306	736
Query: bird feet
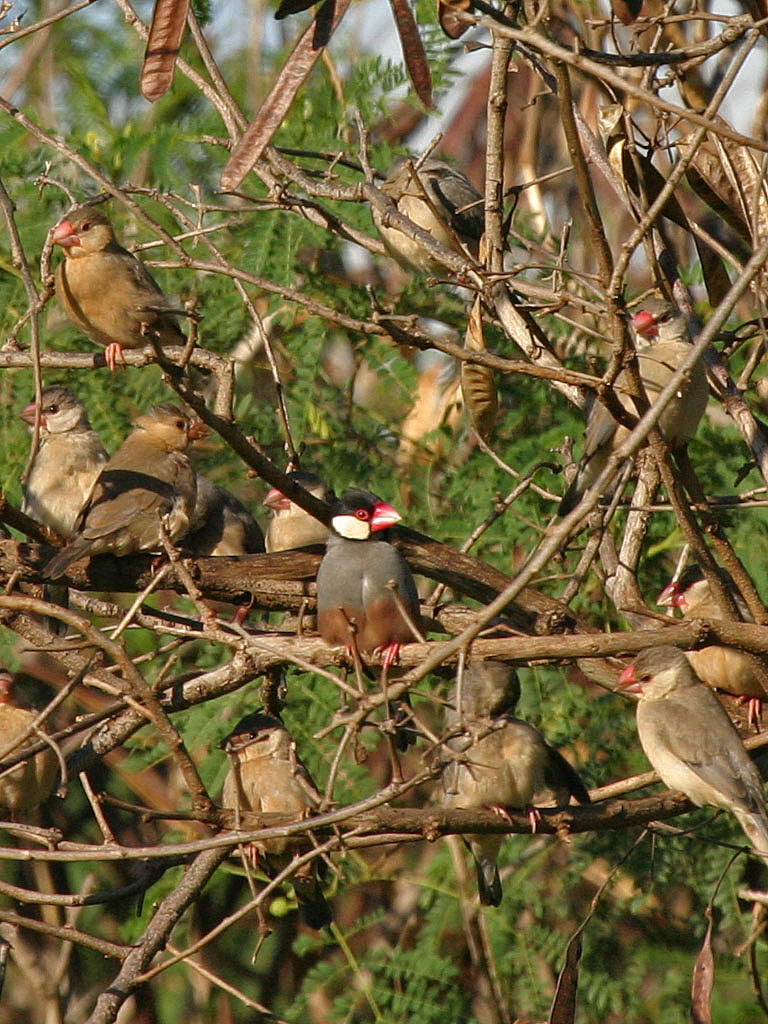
113	353
389	654
754	711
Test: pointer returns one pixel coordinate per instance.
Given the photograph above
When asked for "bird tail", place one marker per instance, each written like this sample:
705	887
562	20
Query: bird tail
755	825
571	498
561	776
62	560
314	907
405	731
488	882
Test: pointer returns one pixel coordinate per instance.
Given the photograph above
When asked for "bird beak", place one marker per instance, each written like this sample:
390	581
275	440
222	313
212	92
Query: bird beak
64	234
645	324
28	415
383	517
628	681
276	500
197	429
668	598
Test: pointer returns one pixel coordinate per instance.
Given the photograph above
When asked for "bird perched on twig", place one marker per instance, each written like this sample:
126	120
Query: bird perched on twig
501	763
662	345
221	525
267	777
290	525
438	198
30	783
723	668
106	291
690	741
66	464
148	483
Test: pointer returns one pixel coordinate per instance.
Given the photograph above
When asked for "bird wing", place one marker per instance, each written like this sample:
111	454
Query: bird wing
560	775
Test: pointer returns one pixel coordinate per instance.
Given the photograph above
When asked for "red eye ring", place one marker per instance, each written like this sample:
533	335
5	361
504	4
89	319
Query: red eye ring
362	514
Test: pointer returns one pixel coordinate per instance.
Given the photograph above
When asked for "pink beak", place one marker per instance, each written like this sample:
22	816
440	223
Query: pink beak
668	597
28	415
276	500
645	324
628	681
383	517
64	234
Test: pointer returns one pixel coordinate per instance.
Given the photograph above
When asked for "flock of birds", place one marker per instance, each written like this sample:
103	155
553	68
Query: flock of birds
147	492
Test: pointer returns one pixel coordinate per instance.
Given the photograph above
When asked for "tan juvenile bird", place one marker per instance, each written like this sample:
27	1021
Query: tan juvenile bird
441	200
148	481
290	526
267	777
690	741
30	783
500	763
488	689
723	668
106	291
66	464
221	524
662	344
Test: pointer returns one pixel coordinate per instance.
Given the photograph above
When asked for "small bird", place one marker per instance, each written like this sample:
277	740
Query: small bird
267	777
290	526
501	763
66	464
441	200
106	291
30	783
722	668
662	344
148	481
690	741
221	525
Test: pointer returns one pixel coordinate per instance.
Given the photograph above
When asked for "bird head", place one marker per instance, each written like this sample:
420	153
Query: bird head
261	735
60	412
170	427
659	320
278	502
656	672
84	231
359	514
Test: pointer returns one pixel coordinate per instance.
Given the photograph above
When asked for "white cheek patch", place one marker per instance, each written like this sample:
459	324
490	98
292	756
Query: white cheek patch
351	528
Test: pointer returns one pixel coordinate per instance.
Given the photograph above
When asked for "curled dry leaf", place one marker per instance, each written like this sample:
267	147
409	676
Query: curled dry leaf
703	980
477	383
564	1004
413	51
453	26
165	35
293	74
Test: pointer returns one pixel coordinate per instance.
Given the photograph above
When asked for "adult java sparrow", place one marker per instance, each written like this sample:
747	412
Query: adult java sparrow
290	526
148	481
31	782
66	464
691	742
662	344
723	668
221	525
441	200
500	762
106	291
266	776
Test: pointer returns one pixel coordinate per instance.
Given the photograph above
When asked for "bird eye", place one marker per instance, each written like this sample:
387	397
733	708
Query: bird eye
51	408
181	424
363	514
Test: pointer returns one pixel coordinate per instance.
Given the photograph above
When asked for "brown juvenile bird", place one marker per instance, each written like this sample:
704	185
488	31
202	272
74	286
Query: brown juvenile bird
30	783
690	741
267	777
66	464
290	526
488	689
106	291
502	763
662	343
148	481
723	668
221	525
441	200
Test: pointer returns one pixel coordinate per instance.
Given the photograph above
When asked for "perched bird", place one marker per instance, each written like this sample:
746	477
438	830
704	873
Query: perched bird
364	580
106	291
221	525
690	741
267	777
290	526
662	344
148	481
501	763
488	689
66	464
723	668
441	200
30	783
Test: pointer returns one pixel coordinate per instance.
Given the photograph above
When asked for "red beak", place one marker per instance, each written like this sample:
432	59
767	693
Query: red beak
383	517
277	500
197	429
628	681
28	415
645	324
669	596
64	234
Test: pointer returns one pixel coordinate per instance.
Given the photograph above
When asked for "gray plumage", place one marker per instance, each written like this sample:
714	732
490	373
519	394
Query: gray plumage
489	689
220	524
691	742
663	343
